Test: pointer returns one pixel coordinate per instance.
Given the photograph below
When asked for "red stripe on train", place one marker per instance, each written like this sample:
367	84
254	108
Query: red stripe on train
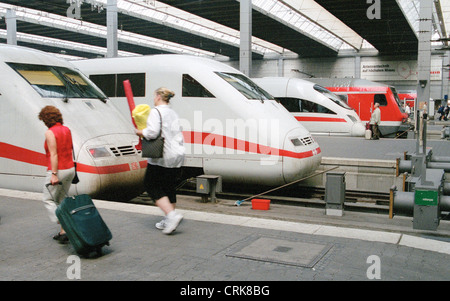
242	145
16	153
319	119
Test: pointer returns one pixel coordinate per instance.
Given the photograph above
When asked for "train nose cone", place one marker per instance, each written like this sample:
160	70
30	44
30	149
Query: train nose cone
111	168
358	129
302	155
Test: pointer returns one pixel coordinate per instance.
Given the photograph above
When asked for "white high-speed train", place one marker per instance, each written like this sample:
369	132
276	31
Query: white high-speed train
231	127
320	111
109	166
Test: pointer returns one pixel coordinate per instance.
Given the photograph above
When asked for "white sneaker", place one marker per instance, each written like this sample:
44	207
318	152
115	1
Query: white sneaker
172	223
162	224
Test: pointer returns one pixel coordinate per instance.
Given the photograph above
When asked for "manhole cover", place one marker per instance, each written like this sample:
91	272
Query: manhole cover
278	250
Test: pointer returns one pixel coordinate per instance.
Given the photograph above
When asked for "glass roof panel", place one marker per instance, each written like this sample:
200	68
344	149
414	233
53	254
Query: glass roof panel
309	18
182	20
61	22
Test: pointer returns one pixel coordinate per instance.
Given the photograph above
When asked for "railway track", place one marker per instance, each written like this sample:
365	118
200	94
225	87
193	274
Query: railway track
313	197
369	202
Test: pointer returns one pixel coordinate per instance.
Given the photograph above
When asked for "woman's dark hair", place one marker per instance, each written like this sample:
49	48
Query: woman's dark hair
50	115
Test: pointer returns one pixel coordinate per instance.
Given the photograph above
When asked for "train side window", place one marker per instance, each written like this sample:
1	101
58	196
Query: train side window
106	83
137	81
291	104
343	97
333	97
192	88
312	107
381	99
308	106
245	86
112	84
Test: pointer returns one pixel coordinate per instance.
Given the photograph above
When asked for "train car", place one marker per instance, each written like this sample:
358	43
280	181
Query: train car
361	94
231	127
407	97
109	166
320	111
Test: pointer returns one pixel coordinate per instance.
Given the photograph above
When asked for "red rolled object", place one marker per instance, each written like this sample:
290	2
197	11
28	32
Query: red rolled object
130	98
131	105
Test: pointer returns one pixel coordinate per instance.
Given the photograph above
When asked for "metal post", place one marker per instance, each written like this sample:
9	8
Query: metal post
280	67
335	193
424	54
245	51
445	76
11	27
357	66
111	25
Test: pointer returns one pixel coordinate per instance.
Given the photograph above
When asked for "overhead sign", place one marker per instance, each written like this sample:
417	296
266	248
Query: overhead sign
376	70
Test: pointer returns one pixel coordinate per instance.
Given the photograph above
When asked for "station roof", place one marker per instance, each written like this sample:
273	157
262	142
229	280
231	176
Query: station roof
298	28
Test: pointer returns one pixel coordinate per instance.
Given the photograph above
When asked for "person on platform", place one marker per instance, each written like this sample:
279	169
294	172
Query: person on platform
375	122
408	110
60	166
162	173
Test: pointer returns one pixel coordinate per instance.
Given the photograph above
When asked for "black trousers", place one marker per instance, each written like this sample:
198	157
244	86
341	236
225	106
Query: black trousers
161	181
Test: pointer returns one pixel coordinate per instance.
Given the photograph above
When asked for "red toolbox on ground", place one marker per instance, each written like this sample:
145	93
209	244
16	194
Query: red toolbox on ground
260	204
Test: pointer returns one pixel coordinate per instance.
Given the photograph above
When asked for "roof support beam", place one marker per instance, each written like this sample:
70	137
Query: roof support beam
111	28
11	26
312	20
73	25
170	16
62	44
320	16
245	50
424	54
440	22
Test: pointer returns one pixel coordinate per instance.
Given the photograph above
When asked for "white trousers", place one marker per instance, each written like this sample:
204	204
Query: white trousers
54	195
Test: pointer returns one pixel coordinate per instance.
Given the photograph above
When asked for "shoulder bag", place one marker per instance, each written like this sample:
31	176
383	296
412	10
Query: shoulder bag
153	148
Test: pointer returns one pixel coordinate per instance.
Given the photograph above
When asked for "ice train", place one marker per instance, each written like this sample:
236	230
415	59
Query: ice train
231	126
361	95
109	166
320	111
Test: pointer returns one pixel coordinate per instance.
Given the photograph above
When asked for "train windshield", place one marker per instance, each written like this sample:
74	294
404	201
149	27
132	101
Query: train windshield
57	82
397	99
244	85
333	97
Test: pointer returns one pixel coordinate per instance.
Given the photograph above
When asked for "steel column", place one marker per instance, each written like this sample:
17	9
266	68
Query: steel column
111	25
424	54
11	27
245	51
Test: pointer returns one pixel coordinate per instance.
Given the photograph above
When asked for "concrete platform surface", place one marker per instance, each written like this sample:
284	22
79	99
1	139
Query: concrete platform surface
221	242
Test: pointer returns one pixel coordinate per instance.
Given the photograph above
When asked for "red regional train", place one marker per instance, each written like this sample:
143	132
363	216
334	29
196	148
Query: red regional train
361	95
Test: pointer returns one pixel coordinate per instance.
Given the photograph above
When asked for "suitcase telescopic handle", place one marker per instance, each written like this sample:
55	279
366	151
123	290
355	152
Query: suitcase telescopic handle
59	183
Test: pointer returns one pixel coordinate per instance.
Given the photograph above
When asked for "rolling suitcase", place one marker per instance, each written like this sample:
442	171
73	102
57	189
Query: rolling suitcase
85	228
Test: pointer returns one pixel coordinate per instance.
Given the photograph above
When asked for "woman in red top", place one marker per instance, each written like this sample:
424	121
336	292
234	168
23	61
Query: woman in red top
60	166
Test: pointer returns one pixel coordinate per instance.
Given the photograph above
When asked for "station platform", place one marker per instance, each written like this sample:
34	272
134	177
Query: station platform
382	149
369	165
221	242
